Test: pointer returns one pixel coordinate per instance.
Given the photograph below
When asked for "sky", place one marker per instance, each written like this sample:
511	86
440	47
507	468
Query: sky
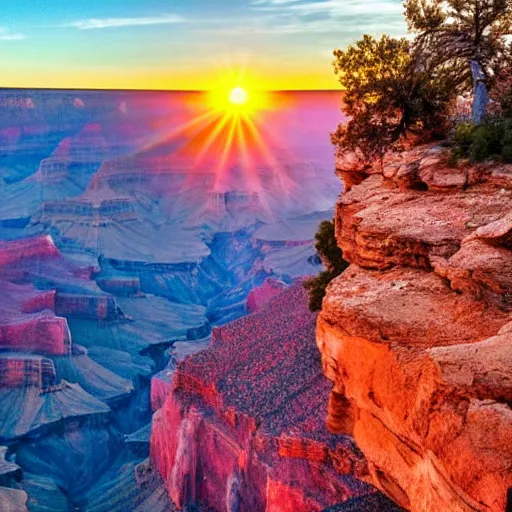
183	44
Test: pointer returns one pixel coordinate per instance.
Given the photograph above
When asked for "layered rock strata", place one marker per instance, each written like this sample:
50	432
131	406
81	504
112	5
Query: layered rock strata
416	335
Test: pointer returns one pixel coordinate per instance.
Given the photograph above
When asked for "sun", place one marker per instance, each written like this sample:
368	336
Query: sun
238	100
238	96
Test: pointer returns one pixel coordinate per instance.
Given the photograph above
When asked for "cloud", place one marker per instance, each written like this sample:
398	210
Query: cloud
332	8
273	2
6	35
343	17
99	23
349	26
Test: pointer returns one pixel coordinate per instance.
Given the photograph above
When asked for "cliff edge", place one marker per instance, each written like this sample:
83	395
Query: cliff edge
416	335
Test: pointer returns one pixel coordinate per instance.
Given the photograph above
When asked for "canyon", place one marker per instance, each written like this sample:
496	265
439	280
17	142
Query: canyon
415	334
122	253
241	427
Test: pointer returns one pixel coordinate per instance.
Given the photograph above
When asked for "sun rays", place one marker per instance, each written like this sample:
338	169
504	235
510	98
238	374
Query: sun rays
226	132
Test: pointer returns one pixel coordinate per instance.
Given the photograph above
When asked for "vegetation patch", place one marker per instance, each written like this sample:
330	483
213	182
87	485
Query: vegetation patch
332	258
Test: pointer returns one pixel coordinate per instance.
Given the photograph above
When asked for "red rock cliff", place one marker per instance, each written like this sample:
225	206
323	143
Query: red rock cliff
416	335
241	430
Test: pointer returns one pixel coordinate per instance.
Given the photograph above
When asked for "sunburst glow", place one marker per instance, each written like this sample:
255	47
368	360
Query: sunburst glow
238	96
230	133
238	101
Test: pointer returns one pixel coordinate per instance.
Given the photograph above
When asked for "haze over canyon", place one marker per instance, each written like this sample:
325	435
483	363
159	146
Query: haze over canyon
134	228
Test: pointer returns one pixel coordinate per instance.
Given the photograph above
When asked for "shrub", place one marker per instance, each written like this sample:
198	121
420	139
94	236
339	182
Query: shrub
489	140
317	286
332	258
462	137
485	142
327	248
461	141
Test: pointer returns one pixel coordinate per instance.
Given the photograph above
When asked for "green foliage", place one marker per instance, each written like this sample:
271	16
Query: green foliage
463	133
332	258
327	248
485	142
462	140
489	140
317	286
386	95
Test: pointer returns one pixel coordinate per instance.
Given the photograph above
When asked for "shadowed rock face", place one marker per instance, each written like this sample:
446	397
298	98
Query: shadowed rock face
416	334
240	428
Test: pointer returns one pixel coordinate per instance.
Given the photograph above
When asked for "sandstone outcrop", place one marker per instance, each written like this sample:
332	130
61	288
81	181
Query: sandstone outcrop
240	428
416	335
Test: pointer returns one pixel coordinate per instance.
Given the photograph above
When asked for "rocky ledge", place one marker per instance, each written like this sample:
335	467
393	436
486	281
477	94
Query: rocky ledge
416	335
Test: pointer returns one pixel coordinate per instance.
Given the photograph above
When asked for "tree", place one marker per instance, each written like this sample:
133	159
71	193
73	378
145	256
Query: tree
332	258
386	95
468	37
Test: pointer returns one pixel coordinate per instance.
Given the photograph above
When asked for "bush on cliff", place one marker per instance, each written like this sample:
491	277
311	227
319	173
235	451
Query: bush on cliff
491	139
332	258
389	93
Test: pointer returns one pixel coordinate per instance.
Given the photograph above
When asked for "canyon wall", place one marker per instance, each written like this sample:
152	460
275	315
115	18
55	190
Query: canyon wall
240	429
416	335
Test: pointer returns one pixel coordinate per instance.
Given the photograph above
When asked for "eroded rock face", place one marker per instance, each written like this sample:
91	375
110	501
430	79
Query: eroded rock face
240	429
416	334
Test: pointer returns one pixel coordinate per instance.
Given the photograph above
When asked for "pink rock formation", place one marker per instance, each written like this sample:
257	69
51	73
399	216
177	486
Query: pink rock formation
241	429
41	332
33	320
18	250
88	145
416	334
28	321
161	384
22	370
261	295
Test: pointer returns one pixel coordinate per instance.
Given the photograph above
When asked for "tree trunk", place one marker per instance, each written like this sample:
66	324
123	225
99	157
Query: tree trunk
480	94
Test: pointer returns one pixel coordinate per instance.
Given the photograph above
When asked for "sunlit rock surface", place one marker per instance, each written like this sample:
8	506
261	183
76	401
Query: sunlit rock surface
415	334
260	296
240	428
